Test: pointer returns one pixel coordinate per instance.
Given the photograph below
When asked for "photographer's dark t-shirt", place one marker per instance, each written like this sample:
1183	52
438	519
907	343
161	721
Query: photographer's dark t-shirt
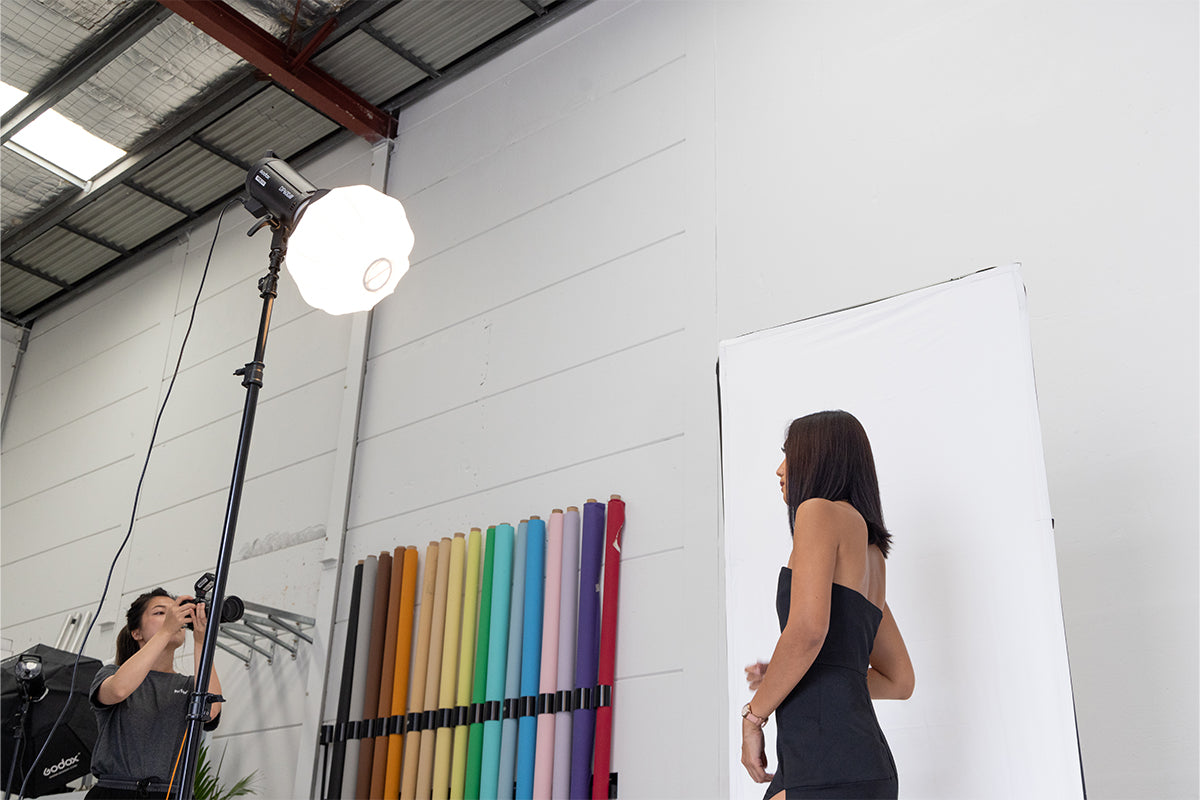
140	737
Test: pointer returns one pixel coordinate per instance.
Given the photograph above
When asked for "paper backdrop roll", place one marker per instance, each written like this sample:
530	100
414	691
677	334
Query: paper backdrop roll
444	739
497	661
608	648
387	674
362	646
587	649
366	751
567	619
404	635
416	696
531	656
543	776
482	651
512	672
433	675
466	663
337	765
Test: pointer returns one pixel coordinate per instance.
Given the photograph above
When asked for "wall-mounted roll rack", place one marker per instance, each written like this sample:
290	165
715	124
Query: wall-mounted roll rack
262	629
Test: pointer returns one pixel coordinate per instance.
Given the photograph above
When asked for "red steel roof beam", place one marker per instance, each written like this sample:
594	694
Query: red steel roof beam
226	25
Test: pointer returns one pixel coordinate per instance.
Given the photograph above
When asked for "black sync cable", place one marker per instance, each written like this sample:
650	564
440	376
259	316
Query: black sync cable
136	496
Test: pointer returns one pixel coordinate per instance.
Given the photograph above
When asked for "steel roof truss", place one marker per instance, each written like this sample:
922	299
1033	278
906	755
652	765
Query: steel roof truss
227	26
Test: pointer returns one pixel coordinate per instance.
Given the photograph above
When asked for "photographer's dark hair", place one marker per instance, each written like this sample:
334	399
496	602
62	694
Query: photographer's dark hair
829	456
126	644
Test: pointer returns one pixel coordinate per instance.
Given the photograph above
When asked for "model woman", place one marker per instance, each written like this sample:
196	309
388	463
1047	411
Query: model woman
839	647
141	702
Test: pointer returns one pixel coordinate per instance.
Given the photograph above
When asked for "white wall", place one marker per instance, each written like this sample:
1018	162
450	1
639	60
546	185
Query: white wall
799	158
884	147
10	342
594	210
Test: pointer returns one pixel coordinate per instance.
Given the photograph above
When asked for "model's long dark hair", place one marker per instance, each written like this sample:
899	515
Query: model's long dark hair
829	456
126	644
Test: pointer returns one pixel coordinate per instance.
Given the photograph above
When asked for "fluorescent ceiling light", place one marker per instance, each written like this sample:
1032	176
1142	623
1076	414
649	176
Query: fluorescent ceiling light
9	97
60	141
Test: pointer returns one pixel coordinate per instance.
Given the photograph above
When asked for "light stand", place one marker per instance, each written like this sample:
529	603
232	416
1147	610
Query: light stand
33	689
200	701
369	262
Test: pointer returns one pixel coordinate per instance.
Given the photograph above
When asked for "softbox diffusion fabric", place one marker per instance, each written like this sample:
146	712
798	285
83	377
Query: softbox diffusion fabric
942	380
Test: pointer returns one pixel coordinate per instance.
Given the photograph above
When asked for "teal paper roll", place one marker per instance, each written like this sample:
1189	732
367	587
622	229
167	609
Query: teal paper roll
497	655
531	654
512	673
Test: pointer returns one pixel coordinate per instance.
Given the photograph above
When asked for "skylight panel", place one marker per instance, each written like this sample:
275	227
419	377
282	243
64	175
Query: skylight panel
60	141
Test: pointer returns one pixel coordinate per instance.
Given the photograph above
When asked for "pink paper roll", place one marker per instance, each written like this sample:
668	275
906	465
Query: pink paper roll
543	774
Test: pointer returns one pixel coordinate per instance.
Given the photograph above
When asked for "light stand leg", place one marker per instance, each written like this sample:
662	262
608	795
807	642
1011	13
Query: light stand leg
200	700
20	734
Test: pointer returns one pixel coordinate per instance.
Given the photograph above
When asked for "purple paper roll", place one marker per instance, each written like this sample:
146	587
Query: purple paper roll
587	648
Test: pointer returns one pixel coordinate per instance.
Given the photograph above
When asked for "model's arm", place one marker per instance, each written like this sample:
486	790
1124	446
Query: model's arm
214	683
814	556
129	676
891	674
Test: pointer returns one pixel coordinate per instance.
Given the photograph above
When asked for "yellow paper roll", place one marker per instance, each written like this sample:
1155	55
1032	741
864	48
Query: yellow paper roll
466	664
443	747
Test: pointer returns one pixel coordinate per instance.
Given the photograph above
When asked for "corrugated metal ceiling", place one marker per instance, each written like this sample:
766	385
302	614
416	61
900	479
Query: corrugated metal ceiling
193	116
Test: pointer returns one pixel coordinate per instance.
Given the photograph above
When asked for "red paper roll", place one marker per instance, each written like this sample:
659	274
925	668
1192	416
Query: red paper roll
608	647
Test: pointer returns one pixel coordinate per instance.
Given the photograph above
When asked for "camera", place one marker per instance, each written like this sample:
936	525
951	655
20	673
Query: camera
231	609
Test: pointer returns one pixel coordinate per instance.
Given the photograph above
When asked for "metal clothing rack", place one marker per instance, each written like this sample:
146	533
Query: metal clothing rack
263	629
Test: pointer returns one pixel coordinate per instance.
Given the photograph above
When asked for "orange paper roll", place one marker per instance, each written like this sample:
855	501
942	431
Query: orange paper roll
404	636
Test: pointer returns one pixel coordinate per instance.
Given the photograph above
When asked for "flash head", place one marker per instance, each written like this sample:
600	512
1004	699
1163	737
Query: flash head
32	681
276	190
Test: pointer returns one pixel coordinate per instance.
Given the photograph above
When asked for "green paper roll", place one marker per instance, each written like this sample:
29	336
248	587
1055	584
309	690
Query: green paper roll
479	692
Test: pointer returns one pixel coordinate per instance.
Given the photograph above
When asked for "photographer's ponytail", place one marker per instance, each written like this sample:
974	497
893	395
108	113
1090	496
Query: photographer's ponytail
126	644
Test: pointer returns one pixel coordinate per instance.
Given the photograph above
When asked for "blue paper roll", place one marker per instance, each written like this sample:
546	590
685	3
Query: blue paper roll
531	652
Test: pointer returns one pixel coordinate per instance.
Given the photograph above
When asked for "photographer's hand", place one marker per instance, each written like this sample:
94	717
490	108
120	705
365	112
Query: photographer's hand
200	624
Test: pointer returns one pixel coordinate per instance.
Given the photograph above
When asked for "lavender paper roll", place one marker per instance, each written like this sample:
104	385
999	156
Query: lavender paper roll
587	648
567	619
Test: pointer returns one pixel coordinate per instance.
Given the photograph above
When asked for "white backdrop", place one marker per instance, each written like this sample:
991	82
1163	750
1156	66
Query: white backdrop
942	379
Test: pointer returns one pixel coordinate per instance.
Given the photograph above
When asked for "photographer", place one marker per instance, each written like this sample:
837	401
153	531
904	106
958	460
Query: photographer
141	702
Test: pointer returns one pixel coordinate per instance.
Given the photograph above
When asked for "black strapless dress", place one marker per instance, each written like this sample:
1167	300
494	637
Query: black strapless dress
828	740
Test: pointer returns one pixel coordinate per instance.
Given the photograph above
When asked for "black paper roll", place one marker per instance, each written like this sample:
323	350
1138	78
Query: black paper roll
337	764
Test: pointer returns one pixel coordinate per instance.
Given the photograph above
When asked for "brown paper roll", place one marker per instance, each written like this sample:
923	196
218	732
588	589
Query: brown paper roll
374	667
387	674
